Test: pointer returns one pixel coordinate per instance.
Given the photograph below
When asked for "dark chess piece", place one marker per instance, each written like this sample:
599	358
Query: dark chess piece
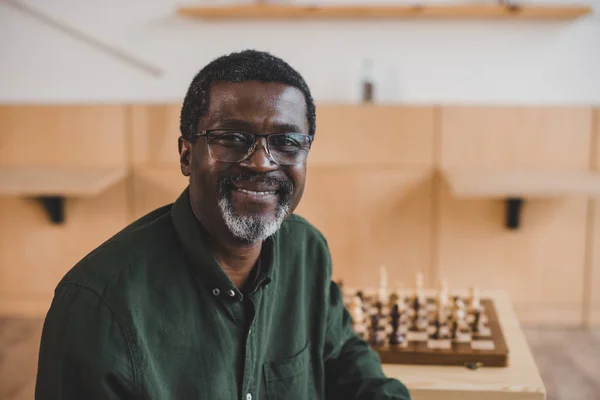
454	331
396	337
376	338
476	321
416	305
436	333
379	307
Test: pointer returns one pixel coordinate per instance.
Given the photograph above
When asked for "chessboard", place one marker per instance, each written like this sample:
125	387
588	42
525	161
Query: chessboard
442	329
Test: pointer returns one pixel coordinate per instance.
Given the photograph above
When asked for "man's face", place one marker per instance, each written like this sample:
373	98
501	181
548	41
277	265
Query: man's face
249	199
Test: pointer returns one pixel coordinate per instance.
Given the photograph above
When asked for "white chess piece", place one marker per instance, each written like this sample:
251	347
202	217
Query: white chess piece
443	296
474	299
383	285
358	317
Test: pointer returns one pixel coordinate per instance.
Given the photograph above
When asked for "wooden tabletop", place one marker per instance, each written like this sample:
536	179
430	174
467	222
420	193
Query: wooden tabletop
519	381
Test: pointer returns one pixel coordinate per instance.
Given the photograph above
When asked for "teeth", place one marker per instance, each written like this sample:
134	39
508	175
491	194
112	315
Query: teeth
256	193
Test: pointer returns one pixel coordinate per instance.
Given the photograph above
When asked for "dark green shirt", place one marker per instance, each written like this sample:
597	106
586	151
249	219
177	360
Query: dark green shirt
150	314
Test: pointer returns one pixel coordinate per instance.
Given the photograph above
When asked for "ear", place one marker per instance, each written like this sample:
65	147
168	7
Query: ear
185	154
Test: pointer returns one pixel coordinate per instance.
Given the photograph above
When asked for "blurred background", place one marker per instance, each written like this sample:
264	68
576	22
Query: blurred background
463	147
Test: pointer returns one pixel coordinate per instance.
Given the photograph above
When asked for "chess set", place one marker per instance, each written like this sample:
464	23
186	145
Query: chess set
439	329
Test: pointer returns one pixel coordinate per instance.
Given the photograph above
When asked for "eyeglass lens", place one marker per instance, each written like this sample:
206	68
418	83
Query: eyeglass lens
233	146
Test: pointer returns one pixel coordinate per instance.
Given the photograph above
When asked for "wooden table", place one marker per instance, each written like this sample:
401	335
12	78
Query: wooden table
519	381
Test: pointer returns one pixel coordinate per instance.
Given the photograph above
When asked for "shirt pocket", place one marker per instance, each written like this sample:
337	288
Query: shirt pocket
291	378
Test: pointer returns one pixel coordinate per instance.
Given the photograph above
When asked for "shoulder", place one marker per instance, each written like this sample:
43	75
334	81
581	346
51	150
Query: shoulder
126	250
298	227
303	243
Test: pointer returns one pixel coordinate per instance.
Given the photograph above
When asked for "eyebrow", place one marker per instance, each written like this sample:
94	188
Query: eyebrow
245	125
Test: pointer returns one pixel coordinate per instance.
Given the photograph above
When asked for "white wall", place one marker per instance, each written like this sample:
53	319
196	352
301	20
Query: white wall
432	62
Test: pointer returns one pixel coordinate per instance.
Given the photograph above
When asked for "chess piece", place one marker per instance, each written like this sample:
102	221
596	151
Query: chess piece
377	334
441	324
474	300
454	329
443	299
476	321
475	309
379	308
418	300
393	299
383	284
396	337
358	318
458	316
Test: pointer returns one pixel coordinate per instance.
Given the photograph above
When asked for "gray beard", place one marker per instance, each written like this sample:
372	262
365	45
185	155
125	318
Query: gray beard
251	229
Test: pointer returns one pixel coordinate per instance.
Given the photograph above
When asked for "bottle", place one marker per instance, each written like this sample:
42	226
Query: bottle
368	84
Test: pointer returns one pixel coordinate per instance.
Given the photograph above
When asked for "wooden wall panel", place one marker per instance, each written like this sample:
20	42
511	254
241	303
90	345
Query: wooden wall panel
594	309
154	187
542	264
373	135
516	137
155	129
370	190
372	217
91	135
34	254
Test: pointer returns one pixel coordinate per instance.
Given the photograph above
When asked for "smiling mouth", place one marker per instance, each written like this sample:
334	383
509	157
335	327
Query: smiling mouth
256	193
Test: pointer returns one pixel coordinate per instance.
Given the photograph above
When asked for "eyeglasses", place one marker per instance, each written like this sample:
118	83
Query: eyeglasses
235	146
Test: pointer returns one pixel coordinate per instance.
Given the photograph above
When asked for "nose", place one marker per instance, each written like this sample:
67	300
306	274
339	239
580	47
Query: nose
260	160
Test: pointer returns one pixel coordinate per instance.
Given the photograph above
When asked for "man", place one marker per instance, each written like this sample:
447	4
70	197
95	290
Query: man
224	294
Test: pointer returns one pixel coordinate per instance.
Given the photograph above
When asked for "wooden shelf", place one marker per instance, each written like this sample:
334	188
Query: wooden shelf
57	181
519	184
514	186
51	185
450	11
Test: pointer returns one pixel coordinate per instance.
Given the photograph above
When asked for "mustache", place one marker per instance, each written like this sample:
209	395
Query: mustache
284	186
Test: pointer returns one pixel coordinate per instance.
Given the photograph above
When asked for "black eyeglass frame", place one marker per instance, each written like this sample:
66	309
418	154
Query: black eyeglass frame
254	136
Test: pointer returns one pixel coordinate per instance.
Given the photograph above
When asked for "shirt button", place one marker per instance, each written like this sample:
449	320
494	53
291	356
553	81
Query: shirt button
216	291
248	396
231	293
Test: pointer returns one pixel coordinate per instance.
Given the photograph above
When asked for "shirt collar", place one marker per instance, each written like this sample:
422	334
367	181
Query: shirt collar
194	240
